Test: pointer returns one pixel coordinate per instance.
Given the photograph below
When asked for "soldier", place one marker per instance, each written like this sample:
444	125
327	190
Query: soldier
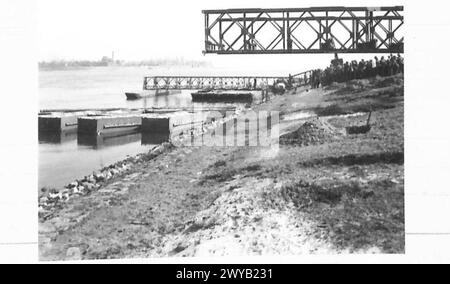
377	66
383	67
318	78
355	69
390	66
400	63
394	65
350	71
339	73
360	69
336	61
325	78
346	71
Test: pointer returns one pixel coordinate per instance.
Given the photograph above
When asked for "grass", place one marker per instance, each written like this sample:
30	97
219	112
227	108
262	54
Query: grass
362	96
356	195
355	215
353	188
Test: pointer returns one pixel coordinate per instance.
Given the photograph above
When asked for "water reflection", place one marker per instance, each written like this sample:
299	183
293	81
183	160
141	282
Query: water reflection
100	141
63	157
154	138
56	138
167	101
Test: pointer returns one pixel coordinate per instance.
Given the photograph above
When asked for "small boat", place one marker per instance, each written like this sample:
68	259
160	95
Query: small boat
134	96
137	96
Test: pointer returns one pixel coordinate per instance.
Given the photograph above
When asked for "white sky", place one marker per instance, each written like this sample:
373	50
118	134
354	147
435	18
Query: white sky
144	29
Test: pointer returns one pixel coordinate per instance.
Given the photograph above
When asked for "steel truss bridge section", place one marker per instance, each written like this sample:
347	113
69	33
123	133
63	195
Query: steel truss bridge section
210	82
304	30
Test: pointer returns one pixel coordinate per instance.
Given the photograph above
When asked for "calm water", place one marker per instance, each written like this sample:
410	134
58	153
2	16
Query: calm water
105	87
64	158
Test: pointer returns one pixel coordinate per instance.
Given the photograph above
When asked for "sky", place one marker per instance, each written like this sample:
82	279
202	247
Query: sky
143	29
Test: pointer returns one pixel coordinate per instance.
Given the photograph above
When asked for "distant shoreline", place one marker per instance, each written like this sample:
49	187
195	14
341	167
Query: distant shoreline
71	68
106	62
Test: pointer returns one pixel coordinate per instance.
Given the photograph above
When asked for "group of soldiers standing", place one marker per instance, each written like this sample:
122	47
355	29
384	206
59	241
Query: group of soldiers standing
338	71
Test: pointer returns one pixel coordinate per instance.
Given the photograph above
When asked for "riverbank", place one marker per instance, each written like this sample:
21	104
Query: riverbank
323	190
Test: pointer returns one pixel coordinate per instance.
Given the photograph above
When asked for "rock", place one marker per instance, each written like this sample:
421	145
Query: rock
44	189
99	177
74	253
90	179
73	184
55	196
42	211
179	248
89	186
81	188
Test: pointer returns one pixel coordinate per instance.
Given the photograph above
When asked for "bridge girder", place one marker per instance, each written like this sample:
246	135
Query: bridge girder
304	30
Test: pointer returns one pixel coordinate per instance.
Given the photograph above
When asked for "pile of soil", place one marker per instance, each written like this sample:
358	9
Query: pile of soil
312	132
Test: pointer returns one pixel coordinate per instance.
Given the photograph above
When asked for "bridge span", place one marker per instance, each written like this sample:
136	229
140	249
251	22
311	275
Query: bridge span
304	30
222	82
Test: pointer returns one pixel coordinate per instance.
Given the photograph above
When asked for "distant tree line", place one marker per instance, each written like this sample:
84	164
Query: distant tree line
166	62
106	61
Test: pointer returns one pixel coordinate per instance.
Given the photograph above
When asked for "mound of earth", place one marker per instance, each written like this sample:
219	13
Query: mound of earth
312	132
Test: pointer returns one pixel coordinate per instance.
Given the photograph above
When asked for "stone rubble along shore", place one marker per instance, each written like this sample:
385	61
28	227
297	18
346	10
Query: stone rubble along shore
52	199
